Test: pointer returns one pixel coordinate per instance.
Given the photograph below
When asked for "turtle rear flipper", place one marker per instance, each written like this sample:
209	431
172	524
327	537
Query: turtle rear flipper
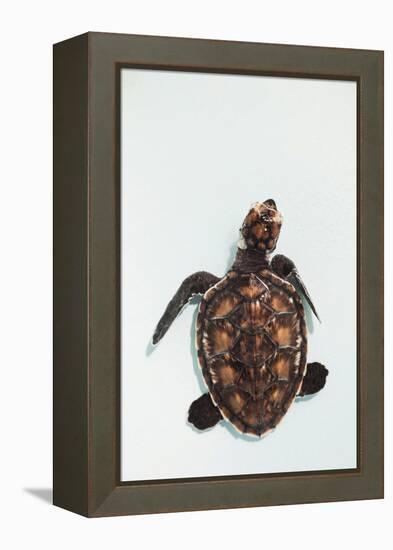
197	283
314	380
203	414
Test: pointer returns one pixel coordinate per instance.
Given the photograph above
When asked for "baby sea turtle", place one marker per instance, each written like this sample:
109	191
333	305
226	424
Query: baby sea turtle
251	333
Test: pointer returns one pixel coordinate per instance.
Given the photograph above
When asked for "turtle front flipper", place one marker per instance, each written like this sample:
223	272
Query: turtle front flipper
203	414
285	268
314	379
197	283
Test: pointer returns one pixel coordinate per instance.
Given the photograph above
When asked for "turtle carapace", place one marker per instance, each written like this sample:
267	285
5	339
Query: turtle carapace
251	333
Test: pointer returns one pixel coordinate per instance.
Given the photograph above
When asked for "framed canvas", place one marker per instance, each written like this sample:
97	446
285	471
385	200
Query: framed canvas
268	387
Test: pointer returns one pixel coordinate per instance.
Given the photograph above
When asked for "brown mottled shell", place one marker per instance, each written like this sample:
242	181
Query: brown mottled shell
252	345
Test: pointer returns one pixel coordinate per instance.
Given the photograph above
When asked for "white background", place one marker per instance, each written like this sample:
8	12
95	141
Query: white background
28	30
197	150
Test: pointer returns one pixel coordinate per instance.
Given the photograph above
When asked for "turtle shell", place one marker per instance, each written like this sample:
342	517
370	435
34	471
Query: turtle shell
252	345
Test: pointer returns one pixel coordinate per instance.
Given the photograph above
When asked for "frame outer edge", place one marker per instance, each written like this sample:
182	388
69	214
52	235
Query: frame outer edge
374	269
372	266
70	271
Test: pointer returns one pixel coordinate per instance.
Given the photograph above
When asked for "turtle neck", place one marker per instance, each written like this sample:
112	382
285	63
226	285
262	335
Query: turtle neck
250	261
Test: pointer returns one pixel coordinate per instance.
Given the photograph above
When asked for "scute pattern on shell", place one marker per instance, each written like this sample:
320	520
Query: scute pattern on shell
252	344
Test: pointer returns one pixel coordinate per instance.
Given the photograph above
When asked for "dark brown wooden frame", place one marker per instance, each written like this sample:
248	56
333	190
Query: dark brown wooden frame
86	274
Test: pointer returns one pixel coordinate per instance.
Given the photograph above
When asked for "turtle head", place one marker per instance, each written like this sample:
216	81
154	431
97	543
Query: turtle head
261	227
